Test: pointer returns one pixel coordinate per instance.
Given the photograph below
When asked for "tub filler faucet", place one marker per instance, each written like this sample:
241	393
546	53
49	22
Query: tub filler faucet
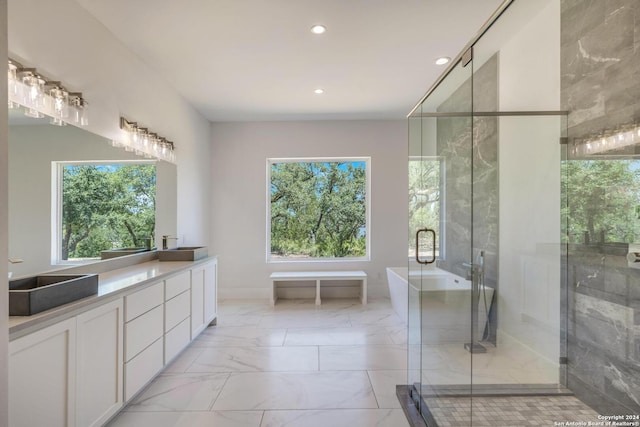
477	283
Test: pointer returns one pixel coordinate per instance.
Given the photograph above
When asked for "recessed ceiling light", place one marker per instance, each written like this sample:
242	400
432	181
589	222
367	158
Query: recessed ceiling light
318	29
319	91
442	60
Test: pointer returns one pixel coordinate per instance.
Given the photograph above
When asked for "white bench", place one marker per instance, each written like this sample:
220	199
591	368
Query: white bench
318	277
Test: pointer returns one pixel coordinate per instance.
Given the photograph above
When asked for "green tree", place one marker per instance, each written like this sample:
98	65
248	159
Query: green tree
424	197
106	206
318	209
602	200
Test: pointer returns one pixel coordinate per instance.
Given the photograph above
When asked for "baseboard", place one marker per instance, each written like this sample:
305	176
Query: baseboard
244	293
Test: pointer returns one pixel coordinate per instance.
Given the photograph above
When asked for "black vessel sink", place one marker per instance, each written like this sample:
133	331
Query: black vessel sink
32	295
114	253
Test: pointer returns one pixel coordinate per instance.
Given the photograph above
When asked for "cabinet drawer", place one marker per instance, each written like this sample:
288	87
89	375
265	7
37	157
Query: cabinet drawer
141	332
143	301
176	310
177	339
177	284
139	370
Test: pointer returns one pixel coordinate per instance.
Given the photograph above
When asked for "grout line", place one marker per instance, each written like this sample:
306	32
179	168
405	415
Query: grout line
220	392
372	389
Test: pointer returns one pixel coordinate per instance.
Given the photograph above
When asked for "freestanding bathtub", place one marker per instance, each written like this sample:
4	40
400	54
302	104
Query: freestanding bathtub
444	299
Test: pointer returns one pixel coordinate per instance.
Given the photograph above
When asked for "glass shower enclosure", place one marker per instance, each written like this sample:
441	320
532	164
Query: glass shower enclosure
486	280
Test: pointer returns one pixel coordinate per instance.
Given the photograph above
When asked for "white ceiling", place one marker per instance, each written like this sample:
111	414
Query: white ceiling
243	60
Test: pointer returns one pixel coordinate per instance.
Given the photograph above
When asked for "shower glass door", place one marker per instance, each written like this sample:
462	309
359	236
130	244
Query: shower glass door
440	269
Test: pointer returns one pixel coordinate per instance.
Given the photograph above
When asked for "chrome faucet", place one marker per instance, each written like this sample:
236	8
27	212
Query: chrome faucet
164	241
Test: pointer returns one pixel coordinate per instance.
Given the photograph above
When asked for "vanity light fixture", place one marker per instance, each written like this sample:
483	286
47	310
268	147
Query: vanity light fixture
144	142
41	97
443	60
318	29
607	142
318	91
59	99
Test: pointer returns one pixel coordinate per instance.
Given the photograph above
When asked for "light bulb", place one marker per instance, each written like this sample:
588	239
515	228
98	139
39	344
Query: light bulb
318	29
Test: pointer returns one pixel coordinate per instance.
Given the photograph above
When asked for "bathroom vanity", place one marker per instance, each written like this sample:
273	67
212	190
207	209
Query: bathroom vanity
80	363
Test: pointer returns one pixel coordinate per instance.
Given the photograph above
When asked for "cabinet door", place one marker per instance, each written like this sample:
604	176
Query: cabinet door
142	368
197	302
99	360
210	292
42	384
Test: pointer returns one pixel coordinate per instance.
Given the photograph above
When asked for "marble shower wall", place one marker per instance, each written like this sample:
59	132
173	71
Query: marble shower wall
466	164
600	60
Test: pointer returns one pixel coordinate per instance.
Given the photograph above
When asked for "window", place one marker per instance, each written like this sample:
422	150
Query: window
426	202
102	206
318	209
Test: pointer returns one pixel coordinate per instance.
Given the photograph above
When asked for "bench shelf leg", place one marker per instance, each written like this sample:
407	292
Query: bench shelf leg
318	292
364	292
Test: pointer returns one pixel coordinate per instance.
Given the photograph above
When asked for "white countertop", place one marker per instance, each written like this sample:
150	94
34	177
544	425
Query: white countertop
111	285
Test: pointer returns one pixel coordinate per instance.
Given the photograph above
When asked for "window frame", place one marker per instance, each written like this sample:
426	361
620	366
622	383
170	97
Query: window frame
57	175
273	160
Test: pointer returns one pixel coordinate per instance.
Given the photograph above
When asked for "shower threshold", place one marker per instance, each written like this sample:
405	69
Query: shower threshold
493	390
493	405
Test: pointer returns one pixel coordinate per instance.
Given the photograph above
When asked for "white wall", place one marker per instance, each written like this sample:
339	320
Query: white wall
529	184
32	149
64	42
239	153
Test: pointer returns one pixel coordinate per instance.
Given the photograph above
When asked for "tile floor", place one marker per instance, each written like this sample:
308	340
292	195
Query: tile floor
294	364
512	411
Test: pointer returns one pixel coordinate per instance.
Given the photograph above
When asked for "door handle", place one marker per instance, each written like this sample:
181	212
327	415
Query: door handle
433	255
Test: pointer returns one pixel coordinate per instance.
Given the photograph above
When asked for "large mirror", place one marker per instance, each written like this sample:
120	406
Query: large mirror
49	163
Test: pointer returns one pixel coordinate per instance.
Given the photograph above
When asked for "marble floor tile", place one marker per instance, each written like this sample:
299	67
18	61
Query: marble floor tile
370	357
377	317
239	319
188	419
246	359
227	336
243	307
362	335
180	392
398	334
384	386
182	362
302	319
296	390
336	418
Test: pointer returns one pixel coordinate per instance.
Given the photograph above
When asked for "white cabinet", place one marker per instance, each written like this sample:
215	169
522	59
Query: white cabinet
142	368
143	332
177	315
203	297
197	301
42	382
99	364
80	371
210	292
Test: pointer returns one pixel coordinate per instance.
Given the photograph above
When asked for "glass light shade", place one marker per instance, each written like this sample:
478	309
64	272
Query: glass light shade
57	121
33	96
59	102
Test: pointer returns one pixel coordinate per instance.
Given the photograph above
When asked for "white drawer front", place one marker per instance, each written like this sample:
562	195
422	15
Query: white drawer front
177	339
139	370
177	284
143	301
142	331
176	310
